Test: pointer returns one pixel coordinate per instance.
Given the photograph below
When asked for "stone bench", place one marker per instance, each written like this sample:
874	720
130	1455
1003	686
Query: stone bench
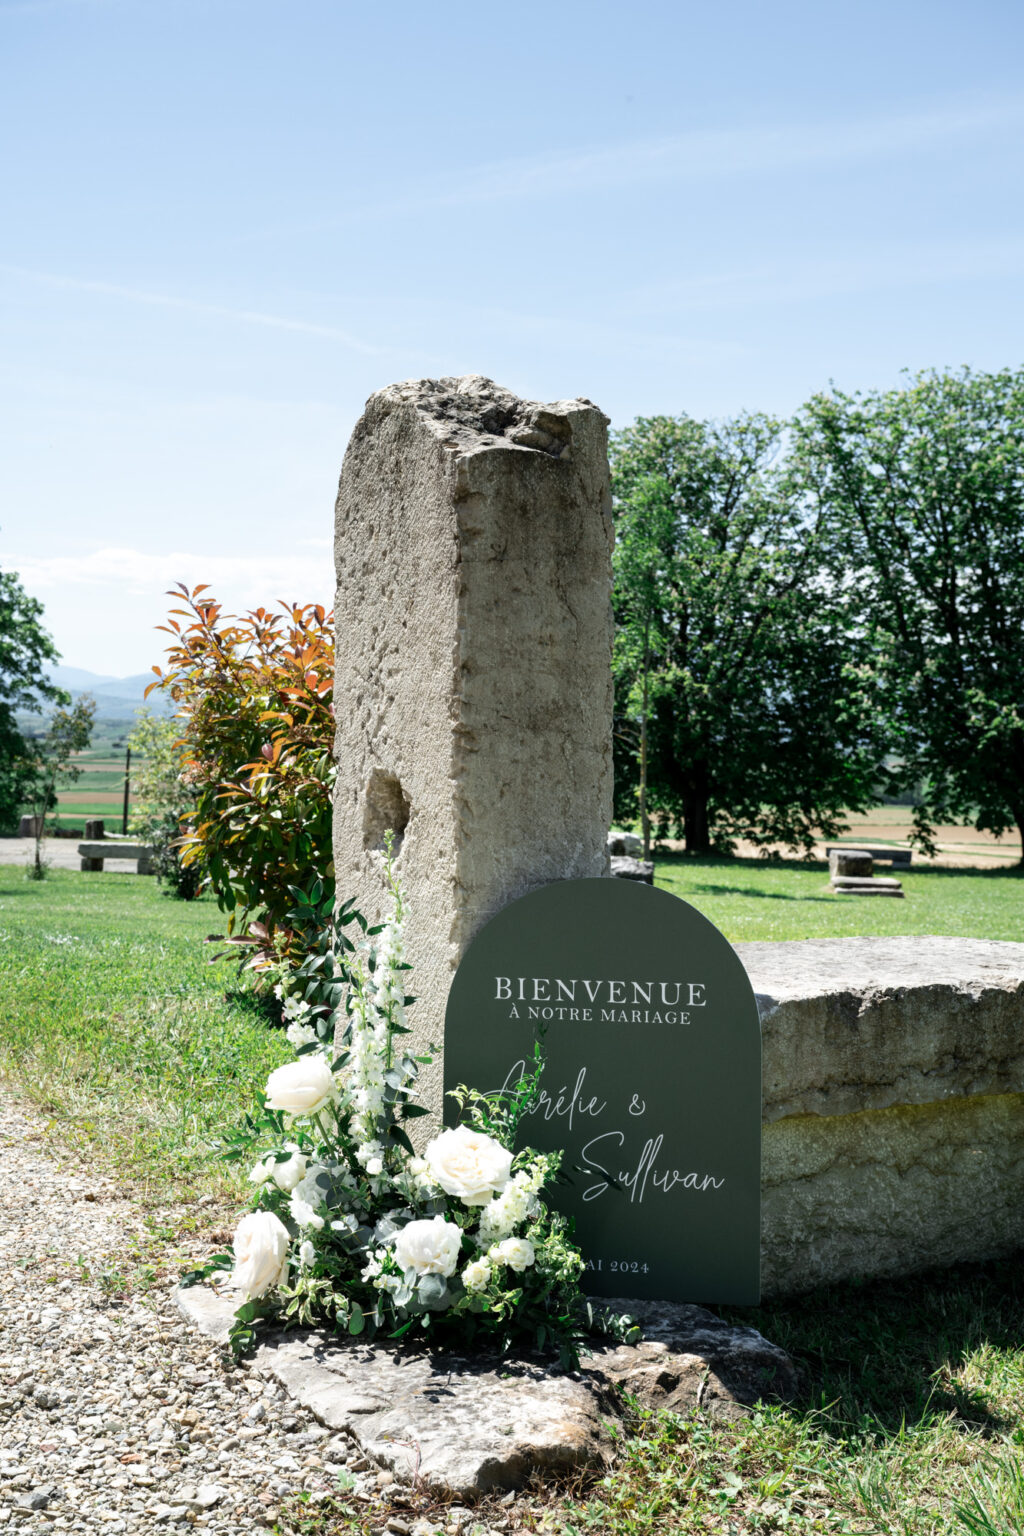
897	857
893	1105
93	854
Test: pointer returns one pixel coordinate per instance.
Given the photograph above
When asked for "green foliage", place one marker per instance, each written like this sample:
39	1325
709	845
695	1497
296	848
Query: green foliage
50	758
257	727
26	650
745	705
163	801
924	490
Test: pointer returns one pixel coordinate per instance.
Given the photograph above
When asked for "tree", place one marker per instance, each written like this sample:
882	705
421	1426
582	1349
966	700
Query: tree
256	723
25	652
163	802
50	755
744	708
925	488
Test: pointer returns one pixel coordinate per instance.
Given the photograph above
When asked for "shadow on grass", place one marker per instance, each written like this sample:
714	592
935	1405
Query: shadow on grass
261	1008
879	1354
719	862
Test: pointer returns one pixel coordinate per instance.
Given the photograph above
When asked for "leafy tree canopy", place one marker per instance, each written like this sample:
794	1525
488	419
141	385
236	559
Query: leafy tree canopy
26	650
737	688
924	490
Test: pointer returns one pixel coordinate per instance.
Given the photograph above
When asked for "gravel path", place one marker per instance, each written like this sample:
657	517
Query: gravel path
114	1415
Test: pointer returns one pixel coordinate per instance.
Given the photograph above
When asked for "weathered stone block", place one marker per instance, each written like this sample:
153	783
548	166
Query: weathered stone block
632	869
851	861
625	845
892	1102
473	687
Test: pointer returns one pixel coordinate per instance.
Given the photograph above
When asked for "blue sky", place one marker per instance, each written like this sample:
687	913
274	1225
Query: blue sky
225	224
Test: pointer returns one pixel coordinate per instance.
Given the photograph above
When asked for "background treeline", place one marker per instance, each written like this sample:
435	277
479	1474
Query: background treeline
809	614
813	613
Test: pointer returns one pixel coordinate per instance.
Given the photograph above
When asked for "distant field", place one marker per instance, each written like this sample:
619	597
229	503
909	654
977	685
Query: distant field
98	792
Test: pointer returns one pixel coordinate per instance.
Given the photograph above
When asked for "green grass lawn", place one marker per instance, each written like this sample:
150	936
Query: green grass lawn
754	899
114	1023
911	1415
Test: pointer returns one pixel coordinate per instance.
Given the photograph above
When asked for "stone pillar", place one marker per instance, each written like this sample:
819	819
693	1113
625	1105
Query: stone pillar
473	690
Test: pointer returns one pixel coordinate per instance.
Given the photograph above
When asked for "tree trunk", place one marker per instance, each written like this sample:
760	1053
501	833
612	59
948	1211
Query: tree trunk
645	820
695	822
1018	816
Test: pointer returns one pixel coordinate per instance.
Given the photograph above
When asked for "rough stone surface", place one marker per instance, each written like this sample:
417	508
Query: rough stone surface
466	1428
891	1191
625	844
893	1111
851	861
855	1024
473	691
632	869
849	885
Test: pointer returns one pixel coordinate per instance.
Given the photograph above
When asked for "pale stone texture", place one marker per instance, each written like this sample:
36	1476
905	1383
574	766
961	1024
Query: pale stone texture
467	1426
893	1104
473	689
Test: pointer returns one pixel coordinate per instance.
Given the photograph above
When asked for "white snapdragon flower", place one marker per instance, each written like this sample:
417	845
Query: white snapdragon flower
516	1252
371	1157
299	1034
428	1247
515	1203
477	1276
468	1164
261	1253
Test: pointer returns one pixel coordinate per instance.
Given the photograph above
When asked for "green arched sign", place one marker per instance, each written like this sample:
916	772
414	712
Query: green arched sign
652	1083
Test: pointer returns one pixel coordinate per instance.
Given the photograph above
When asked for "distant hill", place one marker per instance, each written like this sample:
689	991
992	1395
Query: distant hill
117	698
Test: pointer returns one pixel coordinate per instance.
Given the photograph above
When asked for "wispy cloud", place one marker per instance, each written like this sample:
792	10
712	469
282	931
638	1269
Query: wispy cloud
699	155
195	306
236	580
885	266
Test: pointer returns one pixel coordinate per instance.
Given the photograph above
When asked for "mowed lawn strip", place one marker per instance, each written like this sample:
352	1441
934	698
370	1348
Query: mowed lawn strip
752	899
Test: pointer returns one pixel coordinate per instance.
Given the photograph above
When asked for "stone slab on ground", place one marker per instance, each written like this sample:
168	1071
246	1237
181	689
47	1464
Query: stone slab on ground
467	1427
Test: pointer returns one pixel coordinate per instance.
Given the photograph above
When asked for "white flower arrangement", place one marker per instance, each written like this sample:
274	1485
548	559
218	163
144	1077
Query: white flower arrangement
351	1227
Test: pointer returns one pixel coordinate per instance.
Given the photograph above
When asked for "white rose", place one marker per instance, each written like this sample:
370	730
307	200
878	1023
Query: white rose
429	1247
303	1213
307	1253
468	1164
301	1087
516	1252
475	1276
285	1175
261	1252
